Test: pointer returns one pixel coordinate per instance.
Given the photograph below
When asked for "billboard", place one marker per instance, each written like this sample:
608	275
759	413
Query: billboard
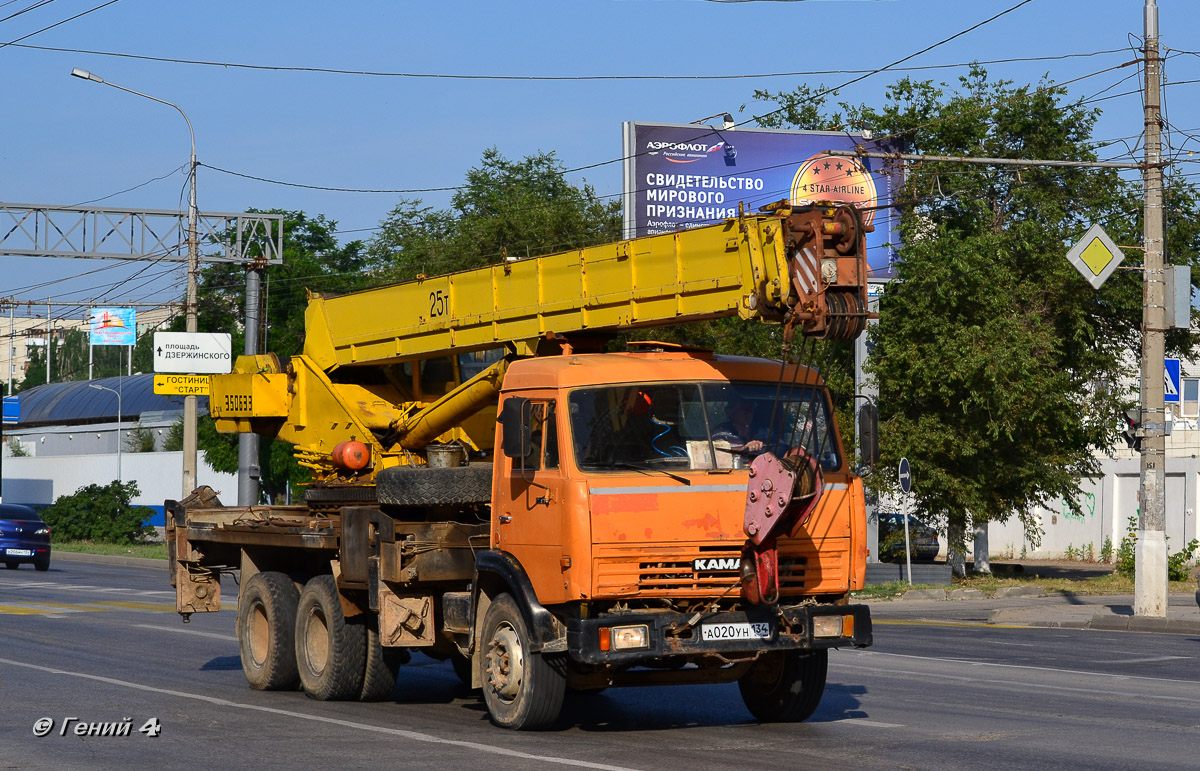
680	176
113	326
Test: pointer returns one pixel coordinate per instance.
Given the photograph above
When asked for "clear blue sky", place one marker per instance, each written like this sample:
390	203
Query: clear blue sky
65	141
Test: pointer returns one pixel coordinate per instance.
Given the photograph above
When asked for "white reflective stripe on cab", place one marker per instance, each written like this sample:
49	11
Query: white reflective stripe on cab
666	489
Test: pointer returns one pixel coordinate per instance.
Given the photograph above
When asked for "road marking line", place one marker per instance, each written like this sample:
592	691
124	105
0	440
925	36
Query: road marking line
20	610
1148	660
155	606
186	631
31	608
922	622
1059	670
400	732
870	723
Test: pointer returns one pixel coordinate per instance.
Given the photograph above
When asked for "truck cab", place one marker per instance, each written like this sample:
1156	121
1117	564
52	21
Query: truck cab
621	494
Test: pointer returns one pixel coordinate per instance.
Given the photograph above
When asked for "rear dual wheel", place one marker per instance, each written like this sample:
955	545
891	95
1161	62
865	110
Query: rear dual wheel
330	653
290	638
383	663
266	631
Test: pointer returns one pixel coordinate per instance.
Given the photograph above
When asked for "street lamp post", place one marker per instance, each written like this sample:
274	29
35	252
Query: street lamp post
118	393
189	402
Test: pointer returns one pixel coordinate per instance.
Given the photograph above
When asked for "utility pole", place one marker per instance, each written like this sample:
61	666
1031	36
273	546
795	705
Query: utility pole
1150	577
249	470
49	341
193	263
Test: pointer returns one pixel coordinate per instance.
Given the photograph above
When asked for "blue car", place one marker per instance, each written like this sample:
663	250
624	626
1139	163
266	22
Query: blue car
24	537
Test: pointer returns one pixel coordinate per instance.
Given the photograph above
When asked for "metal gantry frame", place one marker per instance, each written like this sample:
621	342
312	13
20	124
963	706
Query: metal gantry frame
112	233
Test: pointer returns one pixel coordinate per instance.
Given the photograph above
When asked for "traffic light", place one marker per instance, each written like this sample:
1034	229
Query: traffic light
1132	430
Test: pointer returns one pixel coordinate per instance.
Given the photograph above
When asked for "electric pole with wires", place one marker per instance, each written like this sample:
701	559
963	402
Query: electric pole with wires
1150	576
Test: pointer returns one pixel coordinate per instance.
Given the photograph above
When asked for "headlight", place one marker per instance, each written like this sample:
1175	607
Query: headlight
833	626
625	638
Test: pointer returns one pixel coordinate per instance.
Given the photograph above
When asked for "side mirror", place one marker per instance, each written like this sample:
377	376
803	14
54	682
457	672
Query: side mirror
515	433
868	434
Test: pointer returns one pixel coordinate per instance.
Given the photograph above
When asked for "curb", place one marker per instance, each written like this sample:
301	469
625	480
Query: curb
1102	621
108	559
1168	625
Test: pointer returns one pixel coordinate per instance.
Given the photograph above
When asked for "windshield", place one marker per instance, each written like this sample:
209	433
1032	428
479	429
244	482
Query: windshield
696	426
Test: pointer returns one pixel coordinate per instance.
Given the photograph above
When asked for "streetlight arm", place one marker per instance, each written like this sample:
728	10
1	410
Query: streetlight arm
84	74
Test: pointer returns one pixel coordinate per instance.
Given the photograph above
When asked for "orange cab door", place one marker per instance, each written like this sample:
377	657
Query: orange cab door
529	523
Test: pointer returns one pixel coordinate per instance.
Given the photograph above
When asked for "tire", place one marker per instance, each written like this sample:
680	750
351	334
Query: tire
12	565
382	665
345	495
785	686
266	626
425	486
520	688
41	563
330	654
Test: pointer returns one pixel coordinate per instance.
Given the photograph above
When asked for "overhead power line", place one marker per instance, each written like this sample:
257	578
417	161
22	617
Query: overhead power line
27	9
57	24
534	78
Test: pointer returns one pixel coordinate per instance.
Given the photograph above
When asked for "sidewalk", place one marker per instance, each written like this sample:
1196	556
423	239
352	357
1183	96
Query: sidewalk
1029	606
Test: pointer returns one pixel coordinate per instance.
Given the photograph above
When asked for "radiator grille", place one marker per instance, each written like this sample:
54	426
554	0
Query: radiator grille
662	571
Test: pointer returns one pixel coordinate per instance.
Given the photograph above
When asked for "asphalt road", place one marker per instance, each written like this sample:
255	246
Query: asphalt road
101	644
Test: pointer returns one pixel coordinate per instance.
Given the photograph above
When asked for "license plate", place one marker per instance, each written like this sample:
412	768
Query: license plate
754	631
19	552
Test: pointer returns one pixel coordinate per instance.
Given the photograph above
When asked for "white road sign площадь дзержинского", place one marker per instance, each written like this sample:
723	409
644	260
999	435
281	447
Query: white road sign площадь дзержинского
208	353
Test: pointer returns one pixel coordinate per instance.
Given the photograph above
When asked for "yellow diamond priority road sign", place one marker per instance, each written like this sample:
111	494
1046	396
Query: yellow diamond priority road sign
1095	256
181	385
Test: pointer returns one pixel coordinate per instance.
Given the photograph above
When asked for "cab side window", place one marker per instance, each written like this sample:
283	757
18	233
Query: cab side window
543	437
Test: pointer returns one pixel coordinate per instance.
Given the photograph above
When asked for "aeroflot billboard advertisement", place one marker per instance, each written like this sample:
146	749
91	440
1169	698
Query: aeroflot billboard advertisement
682	176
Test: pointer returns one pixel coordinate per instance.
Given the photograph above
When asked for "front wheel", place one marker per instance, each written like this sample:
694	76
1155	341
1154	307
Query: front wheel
330	653
266	631
785	686
521	689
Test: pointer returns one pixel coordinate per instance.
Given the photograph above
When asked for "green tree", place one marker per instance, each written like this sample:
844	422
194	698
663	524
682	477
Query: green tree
73	359
139	439
996	363
35	368
519	208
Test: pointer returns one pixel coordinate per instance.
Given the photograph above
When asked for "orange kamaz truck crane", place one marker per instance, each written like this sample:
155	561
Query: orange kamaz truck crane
490	487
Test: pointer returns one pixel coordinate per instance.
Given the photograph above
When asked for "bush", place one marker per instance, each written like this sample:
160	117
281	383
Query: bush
1125	551
101	513
1178	564
139	439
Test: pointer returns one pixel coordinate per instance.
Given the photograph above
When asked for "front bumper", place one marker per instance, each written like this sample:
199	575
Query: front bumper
669	634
